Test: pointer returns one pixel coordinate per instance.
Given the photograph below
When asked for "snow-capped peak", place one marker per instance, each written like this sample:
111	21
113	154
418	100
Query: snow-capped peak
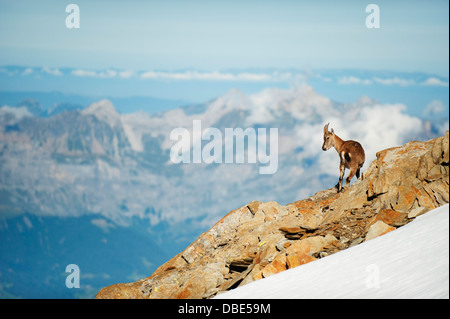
234	99
104	111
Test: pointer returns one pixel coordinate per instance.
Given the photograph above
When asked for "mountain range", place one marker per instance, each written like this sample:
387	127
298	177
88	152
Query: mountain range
80	184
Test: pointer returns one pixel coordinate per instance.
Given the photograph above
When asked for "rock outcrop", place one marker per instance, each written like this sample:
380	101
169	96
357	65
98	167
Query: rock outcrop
261	239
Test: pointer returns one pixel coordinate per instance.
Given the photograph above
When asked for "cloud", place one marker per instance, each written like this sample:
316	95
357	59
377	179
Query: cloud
207	76
291	76
80	72
385	81
27	71
52	71
378	131
433	81
403	80
107	74
434	107
102	224
353	80
395	81
253	77
189	75
17	112
126	74
101	74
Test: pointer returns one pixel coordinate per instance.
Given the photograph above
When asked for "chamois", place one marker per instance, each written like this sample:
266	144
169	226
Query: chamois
350	152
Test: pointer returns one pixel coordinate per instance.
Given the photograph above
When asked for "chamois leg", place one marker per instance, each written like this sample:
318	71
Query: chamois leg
341	177
358	173
350	176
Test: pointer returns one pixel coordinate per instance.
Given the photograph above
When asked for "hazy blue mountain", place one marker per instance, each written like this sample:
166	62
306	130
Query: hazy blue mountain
35	251
46	104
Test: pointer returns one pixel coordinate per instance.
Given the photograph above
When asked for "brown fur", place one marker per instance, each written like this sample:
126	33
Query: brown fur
350	152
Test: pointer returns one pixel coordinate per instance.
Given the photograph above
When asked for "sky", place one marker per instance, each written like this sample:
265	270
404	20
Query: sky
217	35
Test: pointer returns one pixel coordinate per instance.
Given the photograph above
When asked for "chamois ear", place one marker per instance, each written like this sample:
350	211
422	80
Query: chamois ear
325	128
332	131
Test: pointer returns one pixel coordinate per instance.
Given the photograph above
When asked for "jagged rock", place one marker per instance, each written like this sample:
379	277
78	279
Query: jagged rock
378	229
392	217
417	212
122	291
276	266
291	230
261	239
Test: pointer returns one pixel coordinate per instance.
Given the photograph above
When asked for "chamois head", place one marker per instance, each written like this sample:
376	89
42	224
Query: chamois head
328	138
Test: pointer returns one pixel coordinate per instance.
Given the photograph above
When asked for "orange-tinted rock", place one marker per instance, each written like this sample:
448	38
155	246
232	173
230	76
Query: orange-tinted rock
378	229
278	265
391	217
121	291
297	259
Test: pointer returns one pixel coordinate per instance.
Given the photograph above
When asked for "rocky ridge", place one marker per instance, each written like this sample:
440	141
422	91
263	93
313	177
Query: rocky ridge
264	238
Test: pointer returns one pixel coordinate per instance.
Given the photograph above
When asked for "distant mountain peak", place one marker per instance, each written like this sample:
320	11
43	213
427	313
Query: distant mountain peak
33	106
235	93
104	111
233	99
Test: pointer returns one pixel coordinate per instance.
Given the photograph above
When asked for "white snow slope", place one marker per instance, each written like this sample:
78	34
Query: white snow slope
410	262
